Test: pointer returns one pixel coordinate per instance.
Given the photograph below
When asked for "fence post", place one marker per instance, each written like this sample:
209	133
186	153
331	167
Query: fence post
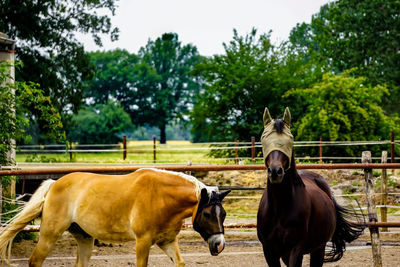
392	160
154	149
372	217
253	149
236	152
320	149
391	147
384	192
70	148
124	147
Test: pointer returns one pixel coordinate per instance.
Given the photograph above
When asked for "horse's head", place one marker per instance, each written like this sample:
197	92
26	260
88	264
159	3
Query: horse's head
277	143
209	220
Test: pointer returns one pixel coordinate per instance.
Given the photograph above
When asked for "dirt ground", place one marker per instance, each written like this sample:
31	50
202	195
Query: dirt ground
243	248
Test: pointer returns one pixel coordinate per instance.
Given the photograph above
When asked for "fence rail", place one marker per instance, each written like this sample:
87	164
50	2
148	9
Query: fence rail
236	146
194	168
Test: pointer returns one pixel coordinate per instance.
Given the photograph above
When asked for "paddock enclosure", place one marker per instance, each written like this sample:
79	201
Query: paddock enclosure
240	221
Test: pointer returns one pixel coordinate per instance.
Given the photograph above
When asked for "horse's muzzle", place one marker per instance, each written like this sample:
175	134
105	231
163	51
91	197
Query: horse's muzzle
275	174
216	244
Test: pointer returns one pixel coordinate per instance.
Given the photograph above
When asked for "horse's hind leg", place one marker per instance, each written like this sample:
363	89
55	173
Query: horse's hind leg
172	251
317	257
85	245
45	244
54	223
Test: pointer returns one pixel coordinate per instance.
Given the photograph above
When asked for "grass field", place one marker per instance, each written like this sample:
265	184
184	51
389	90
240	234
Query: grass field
137	152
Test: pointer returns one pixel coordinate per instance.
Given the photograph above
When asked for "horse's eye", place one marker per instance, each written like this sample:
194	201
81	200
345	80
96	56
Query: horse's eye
207	215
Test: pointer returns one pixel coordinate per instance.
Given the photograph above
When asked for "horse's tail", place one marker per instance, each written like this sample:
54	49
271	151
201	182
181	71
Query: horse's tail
31	210
345	231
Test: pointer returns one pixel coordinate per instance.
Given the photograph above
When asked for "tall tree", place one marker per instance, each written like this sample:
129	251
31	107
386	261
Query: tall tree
115	75
363	34
46	44
169	88
343	108
154	87
239	84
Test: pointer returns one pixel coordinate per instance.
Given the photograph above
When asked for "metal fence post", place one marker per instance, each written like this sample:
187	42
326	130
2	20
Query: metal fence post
236	152
392	160
384	192
372	217
154	149
320	149
70	148
124	148
253	149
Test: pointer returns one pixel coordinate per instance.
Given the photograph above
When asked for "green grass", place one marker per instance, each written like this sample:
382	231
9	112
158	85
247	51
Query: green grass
138	152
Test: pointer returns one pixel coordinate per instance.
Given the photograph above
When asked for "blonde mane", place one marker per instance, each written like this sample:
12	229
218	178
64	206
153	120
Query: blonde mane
198	185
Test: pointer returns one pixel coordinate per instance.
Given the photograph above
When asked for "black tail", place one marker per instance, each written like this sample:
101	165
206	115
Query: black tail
345	231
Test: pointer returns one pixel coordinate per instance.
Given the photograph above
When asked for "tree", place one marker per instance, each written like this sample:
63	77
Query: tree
46	44
18	102
154	87
343	108
239	84
357	34
168	87
115	75
100	124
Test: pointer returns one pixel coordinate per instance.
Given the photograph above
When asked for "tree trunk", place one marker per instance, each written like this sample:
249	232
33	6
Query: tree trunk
163	135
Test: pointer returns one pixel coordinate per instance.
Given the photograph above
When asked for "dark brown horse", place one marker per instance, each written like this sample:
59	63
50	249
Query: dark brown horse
298	214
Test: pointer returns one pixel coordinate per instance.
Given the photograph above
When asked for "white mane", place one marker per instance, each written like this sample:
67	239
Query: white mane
198	185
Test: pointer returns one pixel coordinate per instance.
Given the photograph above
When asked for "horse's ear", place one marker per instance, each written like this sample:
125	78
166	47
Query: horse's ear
204	196
286	116
267	117
224	194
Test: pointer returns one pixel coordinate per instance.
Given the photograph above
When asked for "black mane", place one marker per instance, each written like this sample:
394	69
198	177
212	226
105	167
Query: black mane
278	125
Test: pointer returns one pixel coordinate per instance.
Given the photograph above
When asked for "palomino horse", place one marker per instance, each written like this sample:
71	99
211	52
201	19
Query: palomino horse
148	205
298	214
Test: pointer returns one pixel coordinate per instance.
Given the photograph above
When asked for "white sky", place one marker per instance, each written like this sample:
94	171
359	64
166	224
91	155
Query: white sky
203	23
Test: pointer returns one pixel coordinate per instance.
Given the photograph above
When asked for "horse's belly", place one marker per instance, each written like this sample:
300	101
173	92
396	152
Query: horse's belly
106	228
110	235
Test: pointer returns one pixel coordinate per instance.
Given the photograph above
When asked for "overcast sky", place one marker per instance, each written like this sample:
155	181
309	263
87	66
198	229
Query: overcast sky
203	23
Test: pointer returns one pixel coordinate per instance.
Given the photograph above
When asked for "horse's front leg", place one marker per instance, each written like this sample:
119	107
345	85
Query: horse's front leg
172	251
272	258
296	257
143	245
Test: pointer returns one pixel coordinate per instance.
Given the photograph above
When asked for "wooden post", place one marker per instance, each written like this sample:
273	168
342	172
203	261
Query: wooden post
70	148
124	147
391	147
384	192
154	149
370	192
392	160
236	152
253	149
23	185
320	149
